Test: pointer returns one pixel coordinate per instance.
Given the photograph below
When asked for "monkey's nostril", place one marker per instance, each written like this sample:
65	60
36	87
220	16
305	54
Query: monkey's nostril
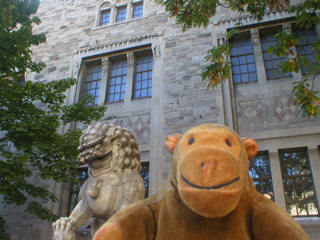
209	165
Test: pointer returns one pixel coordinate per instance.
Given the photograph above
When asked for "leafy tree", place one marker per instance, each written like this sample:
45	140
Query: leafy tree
31	113
197	13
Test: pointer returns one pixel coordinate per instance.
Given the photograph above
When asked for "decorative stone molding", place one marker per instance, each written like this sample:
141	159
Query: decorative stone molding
156	51
105	64
105	5
287	27
121	2
255	37
112	46
130	59
221	39
225	23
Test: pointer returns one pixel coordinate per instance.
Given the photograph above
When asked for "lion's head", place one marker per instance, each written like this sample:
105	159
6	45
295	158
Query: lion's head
105	147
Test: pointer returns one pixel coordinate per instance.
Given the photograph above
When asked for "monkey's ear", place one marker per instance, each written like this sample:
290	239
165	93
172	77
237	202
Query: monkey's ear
251	147
172	141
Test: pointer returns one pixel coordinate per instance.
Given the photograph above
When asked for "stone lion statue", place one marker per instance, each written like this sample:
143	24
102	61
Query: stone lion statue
113	159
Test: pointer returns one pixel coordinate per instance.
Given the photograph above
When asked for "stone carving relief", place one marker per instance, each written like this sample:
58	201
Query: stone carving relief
139	125
105	5
221	39
130	59
255	36
156	51
111	153
121	2
251	113
285	110
287	28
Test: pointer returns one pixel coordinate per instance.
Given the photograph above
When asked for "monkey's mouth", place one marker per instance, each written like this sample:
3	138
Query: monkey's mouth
209	188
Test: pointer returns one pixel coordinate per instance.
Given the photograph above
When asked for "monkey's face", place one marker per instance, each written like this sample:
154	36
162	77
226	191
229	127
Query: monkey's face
212	168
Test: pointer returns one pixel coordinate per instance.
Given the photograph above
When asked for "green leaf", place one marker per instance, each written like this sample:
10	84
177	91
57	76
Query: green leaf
30	115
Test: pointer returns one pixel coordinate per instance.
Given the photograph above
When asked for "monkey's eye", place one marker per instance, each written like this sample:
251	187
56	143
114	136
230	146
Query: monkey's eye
191	140
228	143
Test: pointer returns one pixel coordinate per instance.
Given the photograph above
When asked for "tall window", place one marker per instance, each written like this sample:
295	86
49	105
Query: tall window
105	17
137	10
93	79
243	63
298	183
117	81
271	61
304	45
121	13
260	173
143	77
75	188
145	174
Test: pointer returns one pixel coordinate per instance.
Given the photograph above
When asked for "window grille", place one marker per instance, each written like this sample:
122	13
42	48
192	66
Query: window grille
117	81
75	189
121	14
105	17
137	10
304	46
143	77
145	174
298	183
93	79
260	173
243	63
271	61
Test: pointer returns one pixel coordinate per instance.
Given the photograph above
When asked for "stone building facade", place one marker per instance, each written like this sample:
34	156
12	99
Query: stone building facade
137	60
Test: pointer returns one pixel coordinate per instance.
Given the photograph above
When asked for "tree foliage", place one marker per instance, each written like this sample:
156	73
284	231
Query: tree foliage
197	13
31	113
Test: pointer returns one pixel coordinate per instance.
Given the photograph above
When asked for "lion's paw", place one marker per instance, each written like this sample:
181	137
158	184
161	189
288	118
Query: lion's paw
64	229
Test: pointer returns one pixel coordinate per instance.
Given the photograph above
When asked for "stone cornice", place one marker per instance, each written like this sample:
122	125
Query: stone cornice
116	45
225	23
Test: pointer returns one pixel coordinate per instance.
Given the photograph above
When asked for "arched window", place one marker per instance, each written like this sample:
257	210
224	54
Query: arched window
105	14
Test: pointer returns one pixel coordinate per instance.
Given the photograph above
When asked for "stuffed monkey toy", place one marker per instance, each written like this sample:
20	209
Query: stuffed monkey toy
209	195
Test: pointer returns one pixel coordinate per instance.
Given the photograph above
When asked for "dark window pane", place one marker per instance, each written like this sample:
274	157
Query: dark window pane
241	50
244	78
75	189
304	46
243	68
251	67
137	10
271	60
236	79
234	52
121	14
235	61
143	79
260	172
236	70
117	81
144	93
242	60
249	49
298	183
93	79
145	174
105	17
241	56
250	59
